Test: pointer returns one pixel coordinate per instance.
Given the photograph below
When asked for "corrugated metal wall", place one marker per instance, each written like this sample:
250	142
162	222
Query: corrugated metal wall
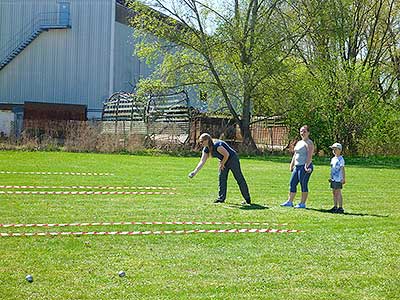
63	65
128	68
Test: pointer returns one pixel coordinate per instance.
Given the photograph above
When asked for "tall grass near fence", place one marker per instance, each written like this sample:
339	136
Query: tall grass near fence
114	137
73	136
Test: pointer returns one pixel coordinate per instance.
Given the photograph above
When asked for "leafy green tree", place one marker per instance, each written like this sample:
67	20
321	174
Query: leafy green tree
231	50
347	65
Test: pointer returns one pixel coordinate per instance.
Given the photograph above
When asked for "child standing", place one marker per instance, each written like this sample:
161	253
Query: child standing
338	178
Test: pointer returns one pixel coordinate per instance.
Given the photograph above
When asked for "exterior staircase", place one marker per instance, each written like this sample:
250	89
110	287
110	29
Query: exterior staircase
21	40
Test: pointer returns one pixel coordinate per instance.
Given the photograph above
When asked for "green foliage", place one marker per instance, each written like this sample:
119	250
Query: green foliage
339	78
383	136
331	64
227	51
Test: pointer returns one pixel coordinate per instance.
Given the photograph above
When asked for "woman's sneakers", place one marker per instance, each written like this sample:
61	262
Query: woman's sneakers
290	204
287	203
300	205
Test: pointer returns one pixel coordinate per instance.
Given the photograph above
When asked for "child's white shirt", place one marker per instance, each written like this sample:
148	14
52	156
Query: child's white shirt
336	168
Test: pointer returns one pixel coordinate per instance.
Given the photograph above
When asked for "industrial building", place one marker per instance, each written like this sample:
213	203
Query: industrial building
69	56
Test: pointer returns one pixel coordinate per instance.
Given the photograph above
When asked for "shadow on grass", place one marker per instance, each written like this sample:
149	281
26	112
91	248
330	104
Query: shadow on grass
327	211
248	207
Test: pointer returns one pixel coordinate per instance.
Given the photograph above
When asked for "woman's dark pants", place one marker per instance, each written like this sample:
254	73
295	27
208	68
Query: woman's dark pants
232	164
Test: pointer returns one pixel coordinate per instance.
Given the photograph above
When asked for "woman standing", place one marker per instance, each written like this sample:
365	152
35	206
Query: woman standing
228	160
301	167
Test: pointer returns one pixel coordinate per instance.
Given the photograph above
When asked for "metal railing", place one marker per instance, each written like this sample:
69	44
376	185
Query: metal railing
21	39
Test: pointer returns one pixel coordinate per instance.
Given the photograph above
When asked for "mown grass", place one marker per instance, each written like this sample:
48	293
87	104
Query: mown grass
351	256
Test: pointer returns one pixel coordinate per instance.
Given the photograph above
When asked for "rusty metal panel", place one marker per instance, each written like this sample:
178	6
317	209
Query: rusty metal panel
56	112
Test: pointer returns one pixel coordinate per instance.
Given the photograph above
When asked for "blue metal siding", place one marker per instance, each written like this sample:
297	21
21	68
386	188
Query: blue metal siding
60	65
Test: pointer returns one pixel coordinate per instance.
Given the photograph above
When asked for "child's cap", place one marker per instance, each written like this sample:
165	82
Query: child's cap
337	146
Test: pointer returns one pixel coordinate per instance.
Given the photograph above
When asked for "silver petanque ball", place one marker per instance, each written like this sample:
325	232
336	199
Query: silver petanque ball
121	274
29	278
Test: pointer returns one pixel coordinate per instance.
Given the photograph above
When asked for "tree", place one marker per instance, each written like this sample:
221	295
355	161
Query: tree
348	50
231	50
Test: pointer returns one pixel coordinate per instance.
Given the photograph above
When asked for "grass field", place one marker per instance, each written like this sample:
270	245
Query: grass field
351	256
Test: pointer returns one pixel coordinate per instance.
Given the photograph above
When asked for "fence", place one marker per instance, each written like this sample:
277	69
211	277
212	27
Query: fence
97	136
268	133
161	118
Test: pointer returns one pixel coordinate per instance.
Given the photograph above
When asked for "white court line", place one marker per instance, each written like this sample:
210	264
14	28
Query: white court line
137	223
82	193
59	173
79	233
87	187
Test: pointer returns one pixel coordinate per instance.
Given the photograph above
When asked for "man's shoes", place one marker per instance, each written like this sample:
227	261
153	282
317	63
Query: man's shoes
333	210
247	202
219	201
287	203
337	210
340	210
300	205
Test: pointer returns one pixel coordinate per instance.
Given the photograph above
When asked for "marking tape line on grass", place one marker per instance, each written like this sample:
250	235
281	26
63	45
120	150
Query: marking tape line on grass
23	234
136	223
82	193
86	187
59	173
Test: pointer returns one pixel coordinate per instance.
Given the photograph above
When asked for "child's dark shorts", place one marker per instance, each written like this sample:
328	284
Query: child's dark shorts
336	185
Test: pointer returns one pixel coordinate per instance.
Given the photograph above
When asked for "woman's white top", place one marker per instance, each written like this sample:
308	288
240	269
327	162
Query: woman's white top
300	153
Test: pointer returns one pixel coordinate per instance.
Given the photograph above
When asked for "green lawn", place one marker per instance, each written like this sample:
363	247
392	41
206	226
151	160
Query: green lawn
351	256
